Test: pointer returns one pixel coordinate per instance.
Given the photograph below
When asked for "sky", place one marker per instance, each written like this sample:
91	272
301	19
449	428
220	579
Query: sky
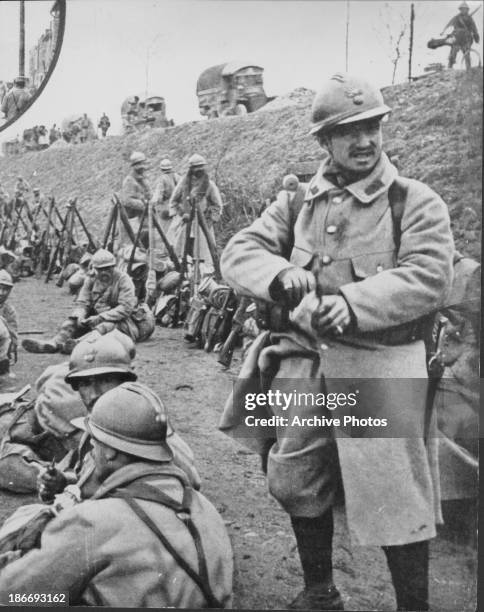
116	48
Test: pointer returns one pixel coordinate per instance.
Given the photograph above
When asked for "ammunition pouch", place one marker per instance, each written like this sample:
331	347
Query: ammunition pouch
194	319
216	327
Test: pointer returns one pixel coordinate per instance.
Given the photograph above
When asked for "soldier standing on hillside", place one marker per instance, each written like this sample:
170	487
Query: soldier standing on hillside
104	124
359	266
15	100
21	186
4	200
464	32
195	187
135	191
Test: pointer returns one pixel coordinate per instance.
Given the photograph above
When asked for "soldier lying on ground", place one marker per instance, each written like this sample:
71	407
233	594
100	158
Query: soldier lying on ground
135	542
42	430
8	326
106	301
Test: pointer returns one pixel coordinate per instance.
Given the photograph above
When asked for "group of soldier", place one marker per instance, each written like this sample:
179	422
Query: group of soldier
352	269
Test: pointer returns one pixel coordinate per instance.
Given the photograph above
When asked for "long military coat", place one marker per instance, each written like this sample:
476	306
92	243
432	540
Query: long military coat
102	554
390	484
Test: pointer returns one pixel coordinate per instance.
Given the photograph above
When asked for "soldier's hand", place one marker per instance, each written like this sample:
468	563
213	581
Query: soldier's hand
91	322
186	218
333	315
293	284
49	483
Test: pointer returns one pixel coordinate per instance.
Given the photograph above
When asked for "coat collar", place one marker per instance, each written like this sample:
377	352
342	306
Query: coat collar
366	190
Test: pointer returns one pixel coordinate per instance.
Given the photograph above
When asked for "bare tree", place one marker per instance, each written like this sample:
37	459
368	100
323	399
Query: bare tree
391	31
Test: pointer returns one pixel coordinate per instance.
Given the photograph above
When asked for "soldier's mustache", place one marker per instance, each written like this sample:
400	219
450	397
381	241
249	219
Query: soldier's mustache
365	151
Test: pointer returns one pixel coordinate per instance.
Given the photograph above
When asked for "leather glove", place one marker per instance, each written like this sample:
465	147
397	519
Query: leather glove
49	483
292	284
332	316
91	322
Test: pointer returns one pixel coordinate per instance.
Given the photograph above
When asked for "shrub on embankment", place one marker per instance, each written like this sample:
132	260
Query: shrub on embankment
435	130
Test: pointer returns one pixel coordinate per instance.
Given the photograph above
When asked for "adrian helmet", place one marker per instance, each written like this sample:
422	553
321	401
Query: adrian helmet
137	158
103	354
132	419
166	164
103	259
346	99
196	160
5	279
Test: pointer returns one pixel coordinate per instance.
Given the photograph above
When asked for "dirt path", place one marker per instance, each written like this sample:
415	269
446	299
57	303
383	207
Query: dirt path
268	574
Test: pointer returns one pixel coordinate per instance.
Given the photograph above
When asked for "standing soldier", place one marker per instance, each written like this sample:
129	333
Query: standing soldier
364	261
464	32
16	99
4	200
21	186
8	325
105	302
53	134
104	124
85	125
161	197
135	191
194	188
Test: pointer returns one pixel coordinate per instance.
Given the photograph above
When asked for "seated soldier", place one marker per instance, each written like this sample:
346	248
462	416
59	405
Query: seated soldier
106	301
97	365
8	325
145	538
40	430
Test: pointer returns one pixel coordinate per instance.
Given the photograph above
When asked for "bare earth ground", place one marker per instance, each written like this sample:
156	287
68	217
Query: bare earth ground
268	574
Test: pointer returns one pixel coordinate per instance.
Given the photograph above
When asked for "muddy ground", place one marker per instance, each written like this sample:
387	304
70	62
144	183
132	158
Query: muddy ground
268	574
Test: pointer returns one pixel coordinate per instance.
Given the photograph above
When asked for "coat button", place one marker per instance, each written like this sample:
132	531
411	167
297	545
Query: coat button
337	200
379	268
326	259
331	229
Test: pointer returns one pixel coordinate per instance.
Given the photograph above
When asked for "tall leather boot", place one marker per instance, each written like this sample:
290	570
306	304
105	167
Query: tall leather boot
314	538
57	344
409	567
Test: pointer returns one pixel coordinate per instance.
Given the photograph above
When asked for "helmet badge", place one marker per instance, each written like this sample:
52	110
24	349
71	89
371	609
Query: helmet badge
356	95
89	357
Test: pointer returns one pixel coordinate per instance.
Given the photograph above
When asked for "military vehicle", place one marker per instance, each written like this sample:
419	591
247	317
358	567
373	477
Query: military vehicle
235	88
137	113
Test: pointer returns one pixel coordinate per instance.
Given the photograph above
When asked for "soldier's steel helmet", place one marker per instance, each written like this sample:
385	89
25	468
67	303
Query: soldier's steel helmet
290	182
132	419
166	164
137	158
111	353
463	5
103	259
346	99
5	279
36	190
196	160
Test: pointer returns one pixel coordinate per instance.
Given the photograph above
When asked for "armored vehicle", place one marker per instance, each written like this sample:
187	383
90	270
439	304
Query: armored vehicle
235	88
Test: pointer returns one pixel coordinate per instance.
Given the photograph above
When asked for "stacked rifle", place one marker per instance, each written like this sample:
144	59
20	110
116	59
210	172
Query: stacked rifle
43	240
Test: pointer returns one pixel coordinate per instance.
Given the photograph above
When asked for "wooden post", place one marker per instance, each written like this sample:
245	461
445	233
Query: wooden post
347	32
410	49
21	52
